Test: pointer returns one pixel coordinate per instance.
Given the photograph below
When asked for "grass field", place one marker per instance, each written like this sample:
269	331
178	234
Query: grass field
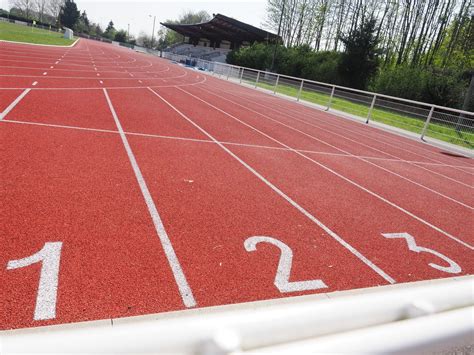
406	122
20	33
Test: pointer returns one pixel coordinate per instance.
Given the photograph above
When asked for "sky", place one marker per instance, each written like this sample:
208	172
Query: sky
136	13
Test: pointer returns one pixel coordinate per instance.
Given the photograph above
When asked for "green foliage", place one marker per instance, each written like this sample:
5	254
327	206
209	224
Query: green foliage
69	14
441	87
110	31
121	36
359	62
297	61
83	24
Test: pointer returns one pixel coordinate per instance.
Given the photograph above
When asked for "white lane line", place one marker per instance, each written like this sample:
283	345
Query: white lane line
337	174
57	62
51	67
341	150
257	146
13	104
45	73
288	115
335	236
35	83
376	136
183	286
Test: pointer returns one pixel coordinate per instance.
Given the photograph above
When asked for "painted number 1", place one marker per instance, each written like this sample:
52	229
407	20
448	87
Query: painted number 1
284	266
49	257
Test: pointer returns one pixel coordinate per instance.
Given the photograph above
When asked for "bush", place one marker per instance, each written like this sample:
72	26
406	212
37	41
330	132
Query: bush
300	62
444	88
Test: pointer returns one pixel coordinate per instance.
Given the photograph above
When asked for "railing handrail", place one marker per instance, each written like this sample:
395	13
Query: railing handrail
371	93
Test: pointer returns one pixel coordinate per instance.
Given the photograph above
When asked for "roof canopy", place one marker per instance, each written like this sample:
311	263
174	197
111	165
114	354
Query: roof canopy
224	28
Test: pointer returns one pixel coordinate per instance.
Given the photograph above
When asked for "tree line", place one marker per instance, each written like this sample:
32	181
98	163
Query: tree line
417	49
64	13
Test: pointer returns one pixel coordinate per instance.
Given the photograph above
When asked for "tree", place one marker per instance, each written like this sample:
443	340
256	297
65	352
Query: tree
69	14
167	37
360	60
121	36
40	8
25	7
54	8
110	31
83	24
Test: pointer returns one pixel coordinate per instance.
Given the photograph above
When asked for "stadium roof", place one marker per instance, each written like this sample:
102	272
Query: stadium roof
223	28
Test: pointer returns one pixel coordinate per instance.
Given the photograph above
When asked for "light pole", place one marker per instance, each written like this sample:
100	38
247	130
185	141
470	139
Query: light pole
153	32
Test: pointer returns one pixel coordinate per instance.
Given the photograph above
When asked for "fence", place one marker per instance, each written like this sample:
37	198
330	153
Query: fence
426	120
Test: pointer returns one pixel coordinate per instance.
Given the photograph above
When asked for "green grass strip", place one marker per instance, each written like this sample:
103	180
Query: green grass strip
27	34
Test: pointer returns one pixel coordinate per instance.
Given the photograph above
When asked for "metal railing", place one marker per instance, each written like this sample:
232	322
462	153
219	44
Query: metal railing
427	120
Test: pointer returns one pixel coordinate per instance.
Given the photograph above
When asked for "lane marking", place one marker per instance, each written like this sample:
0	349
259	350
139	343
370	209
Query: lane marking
340	176
257	146
341	150
35	83
14	103
98	74
282	277
377	134
100	81
45	73
57	62
51	67
284	196
183	286
290	116
46	296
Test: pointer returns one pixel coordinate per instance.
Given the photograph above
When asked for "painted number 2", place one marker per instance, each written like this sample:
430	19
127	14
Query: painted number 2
284	266
453	267
49	257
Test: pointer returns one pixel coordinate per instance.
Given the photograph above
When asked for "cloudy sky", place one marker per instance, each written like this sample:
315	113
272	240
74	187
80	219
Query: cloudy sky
136	13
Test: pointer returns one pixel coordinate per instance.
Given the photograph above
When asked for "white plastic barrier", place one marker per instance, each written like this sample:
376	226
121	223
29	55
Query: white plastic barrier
362	318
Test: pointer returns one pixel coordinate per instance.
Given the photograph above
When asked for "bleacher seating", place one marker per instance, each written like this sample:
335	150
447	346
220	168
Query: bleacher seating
201	52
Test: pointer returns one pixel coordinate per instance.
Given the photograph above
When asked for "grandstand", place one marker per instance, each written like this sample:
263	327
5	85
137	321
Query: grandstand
214	39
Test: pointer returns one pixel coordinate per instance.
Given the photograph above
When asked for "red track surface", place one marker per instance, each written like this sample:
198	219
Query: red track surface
220	163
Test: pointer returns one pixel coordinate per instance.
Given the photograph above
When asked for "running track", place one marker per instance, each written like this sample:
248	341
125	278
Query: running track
150	188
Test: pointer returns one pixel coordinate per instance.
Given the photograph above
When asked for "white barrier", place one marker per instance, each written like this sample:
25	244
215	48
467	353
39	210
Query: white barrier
335	321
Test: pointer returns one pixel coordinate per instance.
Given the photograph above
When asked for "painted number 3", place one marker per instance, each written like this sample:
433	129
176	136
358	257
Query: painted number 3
453	267
49	257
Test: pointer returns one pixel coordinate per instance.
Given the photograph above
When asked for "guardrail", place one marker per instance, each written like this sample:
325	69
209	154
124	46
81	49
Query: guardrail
424	317
426	120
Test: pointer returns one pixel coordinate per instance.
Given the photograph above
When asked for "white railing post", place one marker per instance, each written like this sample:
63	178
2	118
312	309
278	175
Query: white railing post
258	77
276	84
428	119
241	75
228	72
369	114
330	98
299	91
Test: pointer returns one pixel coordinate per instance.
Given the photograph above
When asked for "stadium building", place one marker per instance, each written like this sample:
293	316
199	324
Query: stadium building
212	40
